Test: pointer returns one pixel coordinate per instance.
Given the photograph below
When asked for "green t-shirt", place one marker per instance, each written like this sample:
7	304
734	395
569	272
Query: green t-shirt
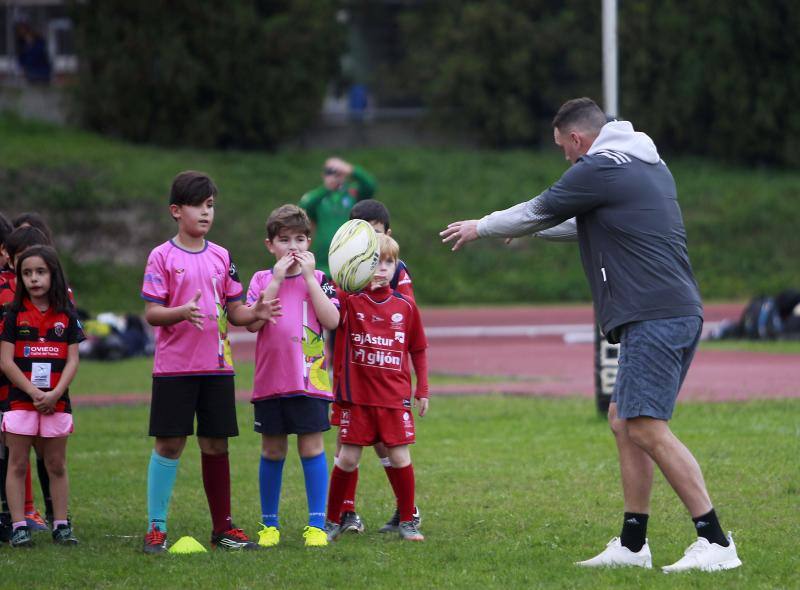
330	209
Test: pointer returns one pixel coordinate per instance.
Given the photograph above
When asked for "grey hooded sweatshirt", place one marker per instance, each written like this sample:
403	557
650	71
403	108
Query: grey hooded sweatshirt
629	227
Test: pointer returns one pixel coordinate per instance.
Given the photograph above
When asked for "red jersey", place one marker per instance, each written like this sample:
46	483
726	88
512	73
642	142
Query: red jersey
8	283
41	342
377	332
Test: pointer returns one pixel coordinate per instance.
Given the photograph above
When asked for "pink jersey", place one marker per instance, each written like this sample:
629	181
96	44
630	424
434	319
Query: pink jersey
290	355
172	277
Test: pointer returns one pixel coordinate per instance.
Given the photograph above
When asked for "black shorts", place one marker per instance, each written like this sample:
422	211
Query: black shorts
176	400
291	415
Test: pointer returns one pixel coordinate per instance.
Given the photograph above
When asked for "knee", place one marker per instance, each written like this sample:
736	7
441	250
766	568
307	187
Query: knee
273	454
310	446
617	425
642	435
169	449
18	468
213	446
56	466
347	462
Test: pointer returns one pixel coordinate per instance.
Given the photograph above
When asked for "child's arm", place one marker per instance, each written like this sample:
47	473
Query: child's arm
160	315
419	359
14	374
271	292
263	309
326	311
47	404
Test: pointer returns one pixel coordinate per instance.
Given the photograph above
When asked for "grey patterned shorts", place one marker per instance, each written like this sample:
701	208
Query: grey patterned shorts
653	360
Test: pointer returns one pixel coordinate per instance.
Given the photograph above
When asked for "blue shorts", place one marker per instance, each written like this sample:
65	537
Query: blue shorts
654	357
298	414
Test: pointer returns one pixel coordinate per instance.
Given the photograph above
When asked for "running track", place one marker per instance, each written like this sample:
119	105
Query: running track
547	351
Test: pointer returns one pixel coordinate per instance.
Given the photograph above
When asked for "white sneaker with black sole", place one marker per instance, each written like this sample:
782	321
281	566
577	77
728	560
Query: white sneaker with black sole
617	555
707	557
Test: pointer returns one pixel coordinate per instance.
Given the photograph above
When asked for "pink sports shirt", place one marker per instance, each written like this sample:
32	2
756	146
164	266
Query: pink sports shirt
172	277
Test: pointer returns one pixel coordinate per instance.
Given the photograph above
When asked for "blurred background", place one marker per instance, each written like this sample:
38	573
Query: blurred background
448	103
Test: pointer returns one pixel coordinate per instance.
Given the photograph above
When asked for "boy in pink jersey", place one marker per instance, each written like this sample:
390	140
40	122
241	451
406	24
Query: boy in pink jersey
291	391
192	290
380	336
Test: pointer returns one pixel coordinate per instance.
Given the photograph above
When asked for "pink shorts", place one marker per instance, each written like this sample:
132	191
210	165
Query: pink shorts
33	423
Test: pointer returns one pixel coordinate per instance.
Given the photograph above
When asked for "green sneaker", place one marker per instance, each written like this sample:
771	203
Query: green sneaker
269	536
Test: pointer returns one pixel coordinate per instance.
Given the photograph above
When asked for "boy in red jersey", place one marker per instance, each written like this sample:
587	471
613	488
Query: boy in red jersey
380	335
377	215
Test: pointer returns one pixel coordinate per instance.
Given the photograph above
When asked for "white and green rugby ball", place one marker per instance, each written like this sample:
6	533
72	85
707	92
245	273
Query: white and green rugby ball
353	255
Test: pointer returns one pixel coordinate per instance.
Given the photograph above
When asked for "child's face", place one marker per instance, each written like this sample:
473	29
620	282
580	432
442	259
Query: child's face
380	228
384	272
288	241
194	220
36	277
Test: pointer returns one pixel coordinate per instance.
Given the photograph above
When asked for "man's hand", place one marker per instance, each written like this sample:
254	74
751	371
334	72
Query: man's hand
190	311
421	404
267	309
460	231
343	169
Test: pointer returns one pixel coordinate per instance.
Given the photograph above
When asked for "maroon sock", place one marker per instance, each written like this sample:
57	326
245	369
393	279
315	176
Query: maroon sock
340	479
349	503
389	469
402	480
217	482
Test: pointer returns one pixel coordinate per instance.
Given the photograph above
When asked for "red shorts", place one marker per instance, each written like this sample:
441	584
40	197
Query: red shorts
336	414
363	426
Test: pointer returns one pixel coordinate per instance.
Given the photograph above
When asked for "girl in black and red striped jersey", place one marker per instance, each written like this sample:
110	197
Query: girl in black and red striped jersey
39	355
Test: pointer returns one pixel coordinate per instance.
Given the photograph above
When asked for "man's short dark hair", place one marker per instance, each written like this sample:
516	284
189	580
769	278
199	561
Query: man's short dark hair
191	188
371	210
579	113
25	237
289	217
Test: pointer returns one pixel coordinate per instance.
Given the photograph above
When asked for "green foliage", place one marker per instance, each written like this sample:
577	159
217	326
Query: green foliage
501	68
195	72
741	222
512	491
715	78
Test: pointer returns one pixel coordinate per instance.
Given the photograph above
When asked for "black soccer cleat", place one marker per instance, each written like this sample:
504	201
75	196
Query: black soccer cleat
63	535
232	540
351	523
22	537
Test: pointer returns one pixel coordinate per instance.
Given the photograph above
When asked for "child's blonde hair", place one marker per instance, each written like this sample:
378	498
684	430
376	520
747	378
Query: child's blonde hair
388	247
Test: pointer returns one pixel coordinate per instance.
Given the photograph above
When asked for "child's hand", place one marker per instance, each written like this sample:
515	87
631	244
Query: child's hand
282	266
191	312
267	309
421	404
46	403
307	263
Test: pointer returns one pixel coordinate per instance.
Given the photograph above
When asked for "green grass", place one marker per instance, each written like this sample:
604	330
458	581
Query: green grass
512	491
774	347
106	200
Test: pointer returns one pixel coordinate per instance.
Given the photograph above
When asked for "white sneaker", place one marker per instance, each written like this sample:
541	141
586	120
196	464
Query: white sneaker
615	555
707	557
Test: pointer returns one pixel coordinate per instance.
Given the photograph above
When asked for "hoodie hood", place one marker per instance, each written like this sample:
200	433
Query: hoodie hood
619	136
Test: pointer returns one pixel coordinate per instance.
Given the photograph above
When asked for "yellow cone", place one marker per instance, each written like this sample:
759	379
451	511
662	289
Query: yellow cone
187	545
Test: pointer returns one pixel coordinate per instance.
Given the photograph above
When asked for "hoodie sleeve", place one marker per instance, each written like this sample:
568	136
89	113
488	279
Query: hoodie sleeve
520	220
563	232
578	191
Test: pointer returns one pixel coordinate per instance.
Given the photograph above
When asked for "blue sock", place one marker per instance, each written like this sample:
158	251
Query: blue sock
270	476
315	470
161	475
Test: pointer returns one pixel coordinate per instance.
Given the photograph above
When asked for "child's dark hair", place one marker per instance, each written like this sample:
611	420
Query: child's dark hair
25	237
289	217
5	229
58	295
33	219
191	188
371	210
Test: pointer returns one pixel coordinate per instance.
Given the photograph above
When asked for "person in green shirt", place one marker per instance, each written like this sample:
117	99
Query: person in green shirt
328	206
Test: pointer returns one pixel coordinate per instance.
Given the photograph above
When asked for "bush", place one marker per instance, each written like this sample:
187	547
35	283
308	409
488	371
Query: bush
202	73
501	68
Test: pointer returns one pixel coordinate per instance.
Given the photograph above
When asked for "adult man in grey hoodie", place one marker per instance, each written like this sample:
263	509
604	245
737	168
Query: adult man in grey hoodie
619	200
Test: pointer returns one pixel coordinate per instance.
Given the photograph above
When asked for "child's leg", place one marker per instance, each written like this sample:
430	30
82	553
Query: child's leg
348	460
55	458
270	476
349	503
44	478
311	448
19	447
161	474
401	477
217	481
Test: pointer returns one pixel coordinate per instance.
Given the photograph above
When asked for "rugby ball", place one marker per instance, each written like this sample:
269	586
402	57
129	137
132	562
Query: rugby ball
353	255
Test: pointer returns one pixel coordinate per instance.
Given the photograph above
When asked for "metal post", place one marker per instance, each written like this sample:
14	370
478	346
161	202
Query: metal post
610	83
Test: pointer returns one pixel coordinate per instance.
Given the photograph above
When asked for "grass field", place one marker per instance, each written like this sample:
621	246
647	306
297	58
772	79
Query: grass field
512	491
